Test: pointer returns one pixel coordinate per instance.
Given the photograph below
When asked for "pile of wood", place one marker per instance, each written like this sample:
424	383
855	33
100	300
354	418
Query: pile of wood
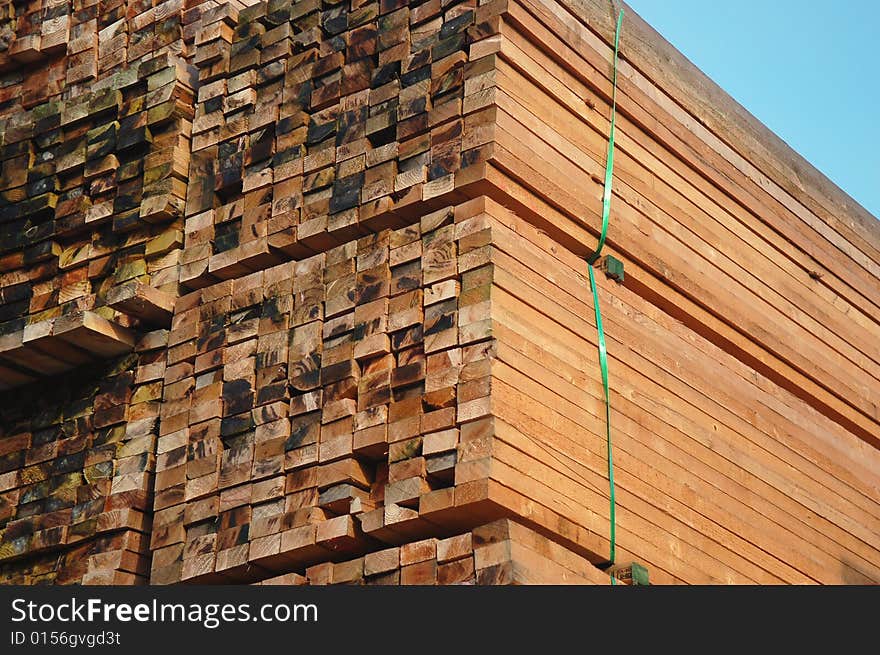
309	407
775	295
699	486
345	243
700	480
317	120
782	282
499	553
93	170
76	473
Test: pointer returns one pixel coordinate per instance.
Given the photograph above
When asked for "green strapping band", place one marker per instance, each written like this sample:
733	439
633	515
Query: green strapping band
603	353
603	364
609	160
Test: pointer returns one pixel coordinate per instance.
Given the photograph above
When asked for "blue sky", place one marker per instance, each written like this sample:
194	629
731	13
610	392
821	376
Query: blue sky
808	70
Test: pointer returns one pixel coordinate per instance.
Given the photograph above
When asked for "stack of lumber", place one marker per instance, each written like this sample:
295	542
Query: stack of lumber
782	284
309	407
31	33
94	155
498	553
765	277
715	482
364	226
76	473
315	120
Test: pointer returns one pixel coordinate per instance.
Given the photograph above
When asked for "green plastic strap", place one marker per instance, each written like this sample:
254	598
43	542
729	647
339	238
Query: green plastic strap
609	159
603	364
603	353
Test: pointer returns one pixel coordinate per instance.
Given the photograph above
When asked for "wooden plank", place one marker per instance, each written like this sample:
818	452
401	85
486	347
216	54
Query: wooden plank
142	301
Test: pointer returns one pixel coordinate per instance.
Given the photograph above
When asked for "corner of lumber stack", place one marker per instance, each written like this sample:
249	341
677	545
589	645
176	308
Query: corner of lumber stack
296	293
